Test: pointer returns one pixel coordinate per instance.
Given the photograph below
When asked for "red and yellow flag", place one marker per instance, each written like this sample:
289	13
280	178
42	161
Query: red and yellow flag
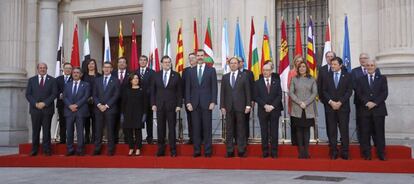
266	49
121	48
310	56
179	59
298	46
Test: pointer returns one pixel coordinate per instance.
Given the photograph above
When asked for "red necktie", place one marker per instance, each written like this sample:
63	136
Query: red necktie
42	82
122	77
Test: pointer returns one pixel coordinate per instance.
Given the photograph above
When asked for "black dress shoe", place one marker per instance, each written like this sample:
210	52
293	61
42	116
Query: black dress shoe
111	153
345	156
33	153
207	155
367	157
68	154
80	153
96	153
62	142
189	142
160	154
242	154
149	141
173	153
47	153
229	154
196	155
265	155
382	157
334	156
274	155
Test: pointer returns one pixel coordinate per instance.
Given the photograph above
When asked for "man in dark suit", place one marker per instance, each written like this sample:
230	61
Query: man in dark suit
41	92
372	91
105	97
193	62
235	102
200	99
76	94
166	101
337	90
250	77
146	74
268	95
61	83
122	75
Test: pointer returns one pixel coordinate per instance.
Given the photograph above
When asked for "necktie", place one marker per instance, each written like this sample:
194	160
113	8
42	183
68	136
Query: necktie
165	79
371	80
200	75
105	83
233	79
122	77
66	79
365	71
75	88
268	85
42	82
142	73
336	79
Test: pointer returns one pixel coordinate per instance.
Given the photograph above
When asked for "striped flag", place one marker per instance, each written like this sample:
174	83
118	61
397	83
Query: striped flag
86	50
195	38
298	46
328	44
208	46
74	57
59	57
238	46
154	59
167	42
346	53
284	58
266	48
134	65
225	48
179	59
310	54
254	65
121	48
107	52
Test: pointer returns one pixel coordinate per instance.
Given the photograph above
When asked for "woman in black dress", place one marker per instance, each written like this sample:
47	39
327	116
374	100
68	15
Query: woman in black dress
90	73
133	108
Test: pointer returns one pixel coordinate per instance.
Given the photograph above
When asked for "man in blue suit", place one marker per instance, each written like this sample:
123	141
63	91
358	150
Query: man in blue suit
60	105
41	92
200	99
105	97
75	97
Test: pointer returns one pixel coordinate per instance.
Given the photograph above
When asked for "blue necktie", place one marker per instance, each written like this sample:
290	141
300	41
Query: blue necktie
233	79
200	75
336	79
165	79
66	79
371	80
75	89
105	82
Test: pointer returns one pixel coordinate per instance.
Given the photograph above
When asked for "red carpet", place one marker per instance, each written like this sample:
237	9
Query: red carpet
399	159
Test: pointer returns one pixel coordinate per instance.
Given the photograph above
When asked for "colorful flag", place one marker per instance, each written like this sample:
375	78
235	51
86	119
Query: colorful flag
86	50
254	65
238	46
310	54
195	39
225	48
154	59
284	58
208	46
74	57
134	65
266	48
107	51
59	57
346	53
167	42
179	59
328	46
298	46
121	48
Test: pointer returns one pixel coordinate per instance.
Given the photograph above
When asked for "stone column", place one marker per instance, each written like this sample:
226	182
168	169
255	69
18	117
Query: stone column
152	11
13	109
48	33
396	60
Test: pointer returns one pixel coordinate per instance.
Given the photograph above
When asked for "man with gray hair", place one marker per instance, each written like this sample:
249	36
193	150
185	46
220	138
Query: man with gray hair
41	92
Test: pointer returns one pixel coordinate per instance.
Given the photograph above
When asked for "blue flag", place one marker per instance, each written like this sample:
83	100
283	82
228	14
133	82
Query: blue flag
346	53
238	46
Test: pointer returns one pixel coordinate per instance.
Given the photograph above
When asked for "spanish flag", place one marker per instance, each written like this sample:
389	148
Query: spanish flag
179	59
266	49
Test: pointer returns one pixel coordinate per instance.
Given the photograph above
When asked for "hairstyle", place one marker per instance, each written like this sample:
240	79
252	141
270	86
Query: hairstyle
144	56
192	54
234	57
165	57
337	59
123	58
307	69
41	63
77	68
66	63
201	50
131	77
107	63
296	58
330	52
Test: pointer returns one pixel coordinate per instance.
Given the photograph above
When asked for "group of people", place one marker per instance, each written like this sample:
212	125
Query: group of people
120	99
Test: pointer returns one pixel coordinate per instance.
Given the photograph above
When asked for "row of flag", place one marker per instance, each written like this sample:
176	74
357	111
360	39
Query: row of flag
252	63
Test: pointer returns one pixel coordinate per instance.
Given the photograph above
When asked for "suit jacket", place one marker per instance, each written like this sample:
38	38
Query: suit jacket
46	94
377	94
108	96
60	81
185	76
356	74
169	97
250	77
303	89
274	98
342	93
124	82
80	99
322	77
238	97
201	94
146	80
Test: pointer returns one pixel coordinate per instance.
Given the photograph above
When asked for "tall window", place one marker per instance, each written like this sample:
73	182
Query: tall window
290	9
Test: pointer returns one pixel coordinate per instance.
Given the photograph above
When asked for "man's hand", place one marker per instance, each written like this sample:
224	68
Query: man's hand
190	107
370	105
177	109
302	105
102	108
211	106
247	110
40	105
73	107
268	108
223	111
154	108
